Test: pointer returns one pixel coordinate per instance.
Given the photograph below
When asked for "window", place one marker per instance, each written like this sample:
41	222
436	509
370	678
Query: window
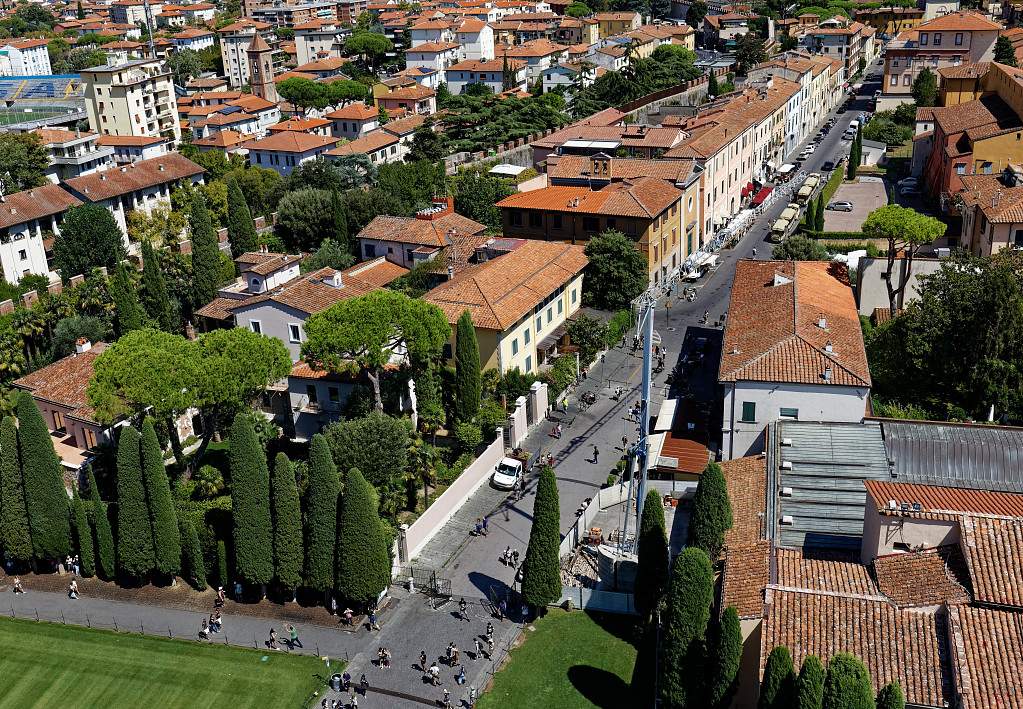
539	323
937	39
556	219
573	296
591	224
310	391
907	80
612	223
787	413
550	315
23	255
749	412
923	39
535	220
515	346
58	421
895	81
959	39
960	168
561	306
986	168
256	326
294	332
334	394
525	336
369	250
516	218
529	363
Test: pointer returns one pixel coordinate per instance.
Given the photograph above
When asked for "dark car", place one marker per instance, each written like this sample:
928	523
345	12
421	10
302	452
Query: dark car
828	166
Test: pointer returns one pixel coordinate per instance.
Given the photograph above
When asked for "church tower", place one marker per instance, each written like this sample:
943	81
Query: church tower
261	68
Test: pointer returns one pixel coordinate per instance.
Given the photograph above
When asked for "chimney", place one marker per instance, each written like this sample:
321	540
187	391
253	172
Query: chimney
822	323
827	374
335	280
160	167
829	348
82	344
451	271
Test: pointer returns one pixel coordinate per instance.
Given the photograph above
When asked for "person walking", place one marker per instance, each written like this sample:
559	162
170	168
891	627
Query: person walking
348	616
434	673
596	455
204	631
293	634
462	607
373	625
454	656
478	647
271	640
446	702
221	598
490	630
18	588
72	589
422	660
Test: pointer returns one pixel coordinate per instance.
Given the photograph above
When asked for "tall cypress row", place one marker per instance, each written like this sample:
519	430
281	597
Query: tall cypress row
191	554
287	524
250	504
162	518
15	538
127	307
135	554
363	563
724	663
49	514
652	569
205	253
810	684
83	536
711	514
683	647
541	574
155	297
241	230
321	516
467	369
106	560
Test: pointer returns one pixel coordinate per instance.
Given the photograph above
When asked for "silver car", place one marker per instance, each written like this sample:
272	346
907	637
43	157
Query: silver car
841	206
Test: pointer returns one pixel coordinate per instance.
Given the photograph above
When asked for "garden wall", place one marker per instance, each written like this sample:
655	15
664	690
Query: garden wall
592	600
607	497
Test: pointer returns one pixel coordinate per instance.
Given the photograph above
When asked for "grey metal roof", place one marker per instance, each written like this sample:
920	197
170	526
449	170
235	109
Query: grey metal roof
829	461
955	455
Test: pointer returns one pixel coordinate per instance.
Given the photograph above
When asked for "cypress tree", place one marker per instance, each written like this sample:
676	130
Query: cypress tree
191	554
205	253
687	613
725	661
126	301
541	573
363	562
250	504
652	571
777	689
819	224
890	697
712	512
340	220
15	538
155	298
135	554
467	370
287	524
321	516
222	575
162	518
241	230
847	684
49	515
83	536
712	84
810	684
106	562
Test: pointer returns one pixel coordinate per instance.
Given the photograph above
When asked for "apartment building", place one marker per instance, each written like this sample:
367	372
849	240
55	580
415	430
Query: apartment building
435	56
320	38
133	12
73	153
25	217
490	73
992	210
193	38
24	57
281	14
235	39
890	21
539	55
612	23
850	41
475	39
348	11
353	121
135	99
947	41
722	31
287	150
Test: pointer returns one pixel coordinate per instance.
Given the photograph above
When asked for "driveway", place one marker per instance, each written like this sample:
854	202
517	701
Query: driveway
866	195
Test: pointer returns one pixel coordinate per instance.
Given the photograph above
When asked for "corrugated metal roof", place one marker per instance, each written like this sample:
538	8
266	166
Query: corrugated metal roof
956	455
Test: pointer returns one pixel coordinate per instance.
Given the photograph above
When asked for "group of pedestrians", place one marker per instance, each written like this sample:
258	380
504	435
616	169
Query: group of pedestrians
483	645
291	641
215	623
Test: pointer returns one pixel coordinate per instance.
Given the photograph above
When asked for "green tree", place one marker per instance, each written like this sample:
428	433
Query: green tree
697	11
1004	52
652	570
541	572
206	273
853	163
321	516
616	273
687	613
476	195
362	333
777	689
890	696
162	518
810	684
15	538
819	216
337	211
155	297
106	560
135	554
847	685
191	554
905	230
241	230
800	248
184	64
712	84
578	9
43	480
331	254
370	45
83	536
376	443
725	660
925	88
304	217
89	237
303	93
286	514
23	161
125	295
250	505
749	51
69	329
467	369
427	144
711	515
882	130
363	560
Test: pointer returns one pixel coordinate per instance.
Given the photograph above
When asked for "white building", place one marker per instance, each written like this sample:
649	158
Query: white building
792	349
436	56
74	153
320	39
475	39
133	148
26	218
234	45
133	12
193	38
353	121
24	57
135	99
489	73
287	150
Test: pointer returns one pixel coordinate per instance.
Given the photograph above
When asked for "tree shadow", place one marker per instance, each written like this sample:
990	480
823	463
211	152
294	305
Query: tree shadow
623	627
600	687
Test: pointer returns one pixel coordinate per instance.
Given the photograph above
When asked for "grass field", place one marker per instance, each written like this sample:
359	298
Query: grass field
572	659
48	665
9	117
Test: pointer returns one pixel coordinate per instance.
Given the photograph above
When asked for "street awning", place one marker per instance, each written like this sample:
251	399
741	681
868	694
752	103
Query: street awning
786	168
548	343
747	189
761	196
666	415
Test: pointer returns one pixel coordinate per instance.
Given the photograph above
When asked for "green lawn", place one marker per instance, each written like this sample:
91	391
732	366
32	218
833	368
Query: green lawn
49	665
572	659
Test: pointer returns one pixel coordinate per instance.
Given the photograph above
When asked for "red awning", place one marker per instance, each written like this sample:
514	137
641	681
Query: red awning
747	189
762	195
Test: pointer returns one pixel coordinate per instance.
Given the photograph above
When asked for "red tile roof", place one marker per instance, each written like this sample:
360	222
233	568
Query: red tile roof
293	142
35	203
960	22
354	111
987	657
825	571
994	553
300	125
645	198
948	501
926	578
369	143
423	232
65	381
746	573
141	175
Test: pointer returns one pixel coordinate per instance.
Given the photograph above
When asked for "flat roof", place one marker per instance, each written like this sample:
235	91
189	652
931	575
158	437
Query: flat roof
593	144
507	169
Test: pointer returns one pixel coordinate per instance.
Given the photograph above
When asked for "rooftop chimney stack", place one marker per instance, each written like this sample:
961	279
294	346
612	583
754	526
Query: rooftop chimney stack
82	344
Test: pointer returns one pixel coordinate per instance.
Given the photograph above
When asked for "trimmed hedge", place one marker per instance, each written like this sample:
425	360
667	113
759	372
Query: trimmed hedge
836	235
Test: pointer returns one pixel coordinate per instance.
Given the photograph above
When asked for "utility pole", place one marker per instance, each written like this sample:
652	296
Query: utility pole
149	26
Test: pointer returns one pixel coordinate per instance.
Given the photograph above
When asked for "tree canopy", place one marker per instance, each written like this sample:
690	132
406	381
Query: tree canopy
905	230
1004	51
711	514
925	88
800	248
376	443
363	561
89	237
687	613
23	161
616	273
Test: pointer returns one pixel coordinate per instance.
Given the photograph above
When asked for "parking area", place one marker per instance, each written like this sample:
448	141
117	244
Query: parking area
866	195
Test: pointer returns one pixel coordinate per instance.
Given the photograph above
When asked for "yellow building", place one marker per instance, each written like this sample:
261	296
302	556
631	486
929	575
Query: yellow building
612	23
891	20
520	303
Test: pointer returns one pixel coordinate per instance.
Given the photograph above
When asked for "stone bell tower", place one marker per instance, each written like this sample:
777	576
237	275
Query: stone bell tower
261	68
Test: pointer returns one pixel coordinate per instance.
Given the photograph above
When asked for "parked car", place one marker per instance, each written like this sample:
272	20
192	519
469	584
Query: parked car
507	474
909	191
909	182
840	206
828	165
809	150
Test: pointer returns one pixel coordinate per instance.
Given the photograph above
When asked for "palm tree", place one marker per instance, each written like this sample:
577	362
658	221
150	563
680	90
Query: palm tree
424	459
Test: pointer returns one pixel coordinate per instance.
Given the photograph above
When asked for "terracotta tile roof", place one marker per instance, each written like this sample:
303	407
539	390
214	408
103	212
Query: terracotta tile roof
369	143
327	64
985	111
994	553
471	25
903	645
354	111
264	263
219	308
535	48
35	203
223	139
773	332
579	167
925	578
130	140
644	198
243	25
615	16
423	232
192	32
746	479
404	126
486	65
65	381
295	75
987	657
26	43
300	125
960	22
226	119
948	501
137	176
411	93
746	573
826	571
432	47
293	142
303	370
499	292
252	103
963	71
1000	204
59	136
